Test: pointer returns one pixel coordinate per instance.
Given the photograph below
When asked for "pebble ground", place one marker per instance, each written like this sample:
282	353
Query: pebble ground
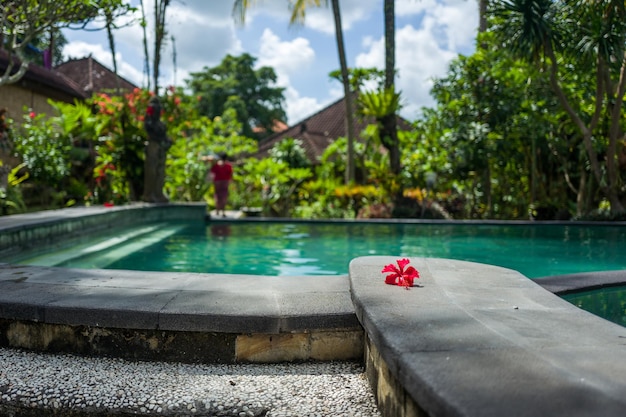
32	383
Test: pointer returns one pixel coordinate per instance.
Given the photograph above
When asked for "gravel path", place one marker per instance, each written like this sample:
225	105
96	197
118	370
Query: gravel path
43	384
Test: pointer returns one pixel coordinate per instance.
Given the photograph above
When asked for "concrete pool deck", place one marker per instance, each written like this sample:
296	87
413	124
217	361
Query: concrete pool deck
472	340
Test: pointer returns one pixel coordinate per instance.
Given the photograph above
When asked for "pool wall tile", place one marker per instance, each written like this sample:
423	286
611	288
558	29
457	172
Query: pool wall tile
24	231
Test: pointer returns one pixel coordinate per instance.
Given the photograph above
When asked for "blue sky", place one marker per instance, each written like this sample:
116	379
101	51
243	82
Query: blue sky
429	34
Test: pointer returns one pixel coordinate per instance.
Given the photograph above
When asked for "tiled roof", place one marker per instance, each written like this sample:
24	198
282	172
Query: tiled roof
321	129
40	78
278	126
92	76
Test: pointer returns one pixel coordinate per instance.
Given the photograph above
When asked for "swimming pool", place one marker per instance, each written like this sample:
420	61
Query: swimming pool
325	248
609	303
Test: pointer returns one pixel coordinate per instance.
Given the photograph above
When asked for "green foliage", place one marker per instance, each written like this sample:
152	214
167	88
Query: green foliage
42	42
291	152
326	195
360	77
585	63
11	200
235	84
527	24
379	103
198	136
269	184
495	139
43	148
23	21
117	129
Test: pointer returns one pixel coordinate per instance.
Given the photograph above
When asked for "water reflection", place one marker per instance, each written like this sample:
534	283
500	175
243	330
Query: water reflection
608	303
220	230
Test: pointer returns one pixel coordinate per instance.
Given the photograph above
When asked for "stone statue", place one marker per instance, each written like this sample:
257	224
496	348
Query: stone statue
156	152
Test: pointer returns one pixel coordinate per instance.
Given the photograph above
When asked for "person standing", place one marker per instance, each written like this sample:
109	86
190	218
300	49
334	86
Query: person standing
221	175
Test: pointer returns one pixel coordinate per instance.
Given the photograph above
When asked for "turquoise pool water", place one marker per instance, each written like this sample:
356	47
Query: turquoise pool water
312	248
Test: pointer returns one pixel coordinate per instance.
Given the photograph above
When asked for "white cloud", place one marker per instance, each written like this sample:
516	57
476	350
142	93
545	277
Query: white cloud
317	18
419	59
298	108
202	38
288	58
415	7
425	52
352	11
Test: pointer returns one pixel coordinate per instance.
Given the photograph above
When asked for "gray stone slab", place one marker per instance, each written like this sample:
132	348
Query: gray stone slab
222	311
15	273
478	340
109	307
510	382
561	284
19	301
324	310
176	301
264	283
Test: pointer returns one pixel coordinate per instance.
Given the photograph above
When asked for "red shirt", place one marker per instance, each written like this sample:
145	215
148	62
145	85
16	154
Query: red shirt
222	172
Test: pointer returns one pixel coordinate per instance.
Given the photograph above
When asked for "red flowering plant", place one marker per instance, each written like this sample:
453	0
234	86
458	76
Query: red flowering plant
121	142
400	275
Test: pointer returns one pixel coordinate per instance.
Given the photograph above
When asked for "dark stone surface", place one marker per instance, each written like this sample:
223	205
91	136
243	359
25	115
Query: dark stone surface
479	340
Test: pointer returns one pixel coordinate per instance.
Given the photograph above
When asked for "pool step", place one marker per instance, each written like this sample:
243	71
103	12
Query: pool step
106	250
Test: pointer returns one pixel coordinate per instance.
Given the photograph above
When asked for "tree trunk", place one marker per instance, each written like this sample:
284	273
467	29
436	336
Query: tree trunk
109	26
145	45
160	6
615	133
482	15
580	196
610	190
347	93
389	123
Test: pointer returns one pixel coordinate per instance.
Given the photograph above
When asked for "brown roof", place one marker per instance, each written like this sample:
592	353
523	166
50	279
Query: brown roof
46	81
278	126
92	76
318	131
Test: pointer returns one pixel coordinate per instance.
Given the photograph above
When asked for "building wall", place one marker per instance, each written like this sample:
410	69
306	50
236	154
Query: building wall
15	98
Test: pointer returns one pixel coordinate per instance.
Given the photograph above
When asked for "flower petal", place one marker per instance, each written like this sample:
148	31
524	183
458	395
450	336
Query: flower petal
411	272
392	279
402	263
391	268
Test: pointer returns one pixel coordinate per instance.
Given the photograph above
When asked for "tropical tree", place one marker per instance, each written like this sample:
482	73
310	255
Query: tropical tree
160	8
146	52
52	43
497	135
388	121
298	8
235	84
341	50
541	32
22	21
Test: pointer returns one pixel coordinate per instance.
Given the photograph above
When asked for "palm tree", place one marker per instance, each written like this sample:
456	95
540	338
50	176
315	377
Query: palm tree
389	122
482	15
144	25
160	7
298	14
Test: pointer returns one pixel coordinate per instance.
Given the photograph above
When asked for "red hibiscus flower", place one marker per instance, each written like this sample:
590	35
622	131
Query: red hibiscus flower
400	275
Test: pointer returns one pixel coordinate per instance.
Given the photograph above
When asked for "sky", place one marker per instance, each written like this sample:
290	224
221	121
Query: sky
429	35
